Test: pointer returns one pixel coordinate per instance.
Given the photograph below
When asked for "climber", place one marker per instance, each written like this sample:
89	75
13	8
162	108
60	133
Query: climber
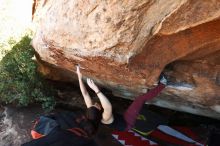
78	128
115	120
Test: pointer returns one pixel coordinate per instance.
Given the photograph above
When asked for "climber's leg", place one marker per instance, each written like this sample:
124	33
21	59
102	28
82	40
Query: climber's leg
133	110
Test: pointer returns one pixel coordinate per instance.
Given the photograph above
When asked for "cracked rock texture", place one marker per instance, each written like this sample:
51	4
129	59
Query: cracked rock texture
125	45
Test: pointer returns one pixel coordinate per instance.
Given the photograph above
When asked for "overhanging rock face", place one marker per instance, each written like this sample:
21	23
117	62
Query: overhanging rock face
125	45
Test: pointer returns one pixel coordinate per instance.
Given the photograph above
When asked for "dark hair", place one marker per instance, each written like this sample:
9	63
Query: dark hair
94	115
88	127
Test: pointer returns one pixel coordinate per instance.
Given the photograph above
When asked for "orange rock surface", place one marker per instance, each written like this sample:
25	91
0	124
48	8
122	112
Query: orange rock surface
125	45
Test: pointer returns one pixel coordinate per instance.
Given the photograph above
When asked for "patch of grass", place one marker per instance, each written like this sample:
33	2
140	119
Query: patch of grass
20	83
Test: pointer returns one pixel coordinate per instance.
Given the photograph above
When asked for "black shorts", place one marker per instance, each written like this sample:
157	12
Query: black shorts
119	123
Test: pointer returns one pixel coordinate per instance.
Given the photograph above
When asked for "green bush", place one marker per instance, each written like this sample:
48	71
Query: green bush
20	83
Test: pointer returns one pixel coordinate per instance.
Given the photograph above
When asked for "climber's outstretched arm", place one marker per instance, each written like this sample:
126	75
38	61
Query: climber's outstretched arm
107	116
83	89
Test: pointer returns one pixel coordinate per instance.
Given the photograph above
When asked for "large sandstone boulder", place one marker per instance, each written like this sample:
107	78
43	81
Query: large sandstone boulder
125	44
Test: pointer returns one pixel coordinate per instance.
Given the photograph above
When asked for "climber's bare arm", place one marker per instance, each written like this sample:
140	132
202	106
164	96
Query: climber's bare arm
107	116
83	89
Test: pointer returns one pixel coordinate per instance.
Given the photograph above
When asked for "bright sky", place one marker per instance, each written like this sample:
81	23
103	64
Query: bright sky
15	17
